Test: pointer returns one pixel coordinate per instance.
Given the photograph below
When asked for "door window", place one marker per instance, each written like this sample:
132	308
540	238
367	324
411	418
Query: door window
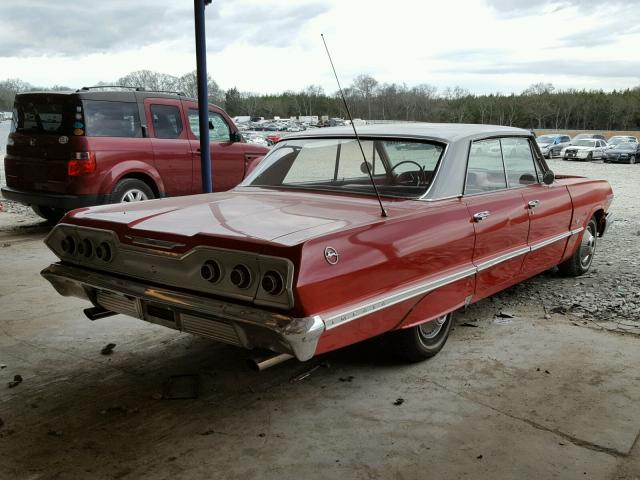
518	162
166	121
485	170
220	131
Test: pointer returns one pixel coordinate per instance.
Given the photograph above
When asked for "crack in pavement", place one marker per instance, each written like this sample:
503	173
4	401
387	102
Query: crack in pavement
574	440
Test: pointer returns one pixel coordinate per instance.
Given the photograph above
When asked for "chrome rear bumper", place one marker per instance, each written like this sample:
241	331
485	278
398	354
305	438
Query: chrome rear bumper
223	321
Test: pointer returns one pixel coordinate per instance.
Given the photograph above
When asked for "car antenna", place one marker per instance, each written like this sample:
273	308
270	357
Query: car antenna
364	157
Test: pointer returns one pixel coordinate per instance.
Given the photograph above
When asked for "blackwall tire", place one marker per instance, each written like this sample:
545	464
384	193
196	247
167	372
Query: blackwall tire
632	159
581	260
131	190
51	215
423	341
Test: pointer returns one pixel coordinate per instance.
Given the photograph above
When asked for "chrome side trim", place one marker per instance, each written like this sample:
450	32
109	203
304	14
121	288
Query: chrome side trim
380	303
543	243
502	258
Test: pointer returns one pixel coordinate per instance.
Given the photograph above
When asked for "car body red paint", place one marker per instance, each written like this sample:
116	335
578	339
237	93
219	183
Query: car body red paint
431	255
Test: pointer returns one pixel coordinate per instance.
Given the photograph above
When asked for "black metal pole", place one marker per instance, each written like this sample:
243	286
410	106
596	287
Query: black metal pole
203	95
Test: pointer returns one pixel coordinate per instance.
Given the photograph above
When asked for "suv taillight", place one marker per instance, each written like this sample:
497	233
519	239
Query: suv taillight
81	163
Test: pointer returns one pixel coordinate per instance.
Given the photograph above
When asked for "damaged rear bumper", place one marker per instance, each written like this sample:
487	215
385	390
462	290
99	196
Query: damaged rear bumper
219	320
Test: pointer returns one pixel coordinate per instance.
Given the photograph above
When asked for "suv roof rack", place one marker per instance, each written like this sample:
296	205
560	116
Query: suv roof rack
136	89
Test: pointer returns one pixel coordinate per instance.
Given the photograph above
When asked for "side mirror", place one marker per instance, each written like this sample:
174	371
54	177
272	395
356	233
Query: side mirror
549	177
364	169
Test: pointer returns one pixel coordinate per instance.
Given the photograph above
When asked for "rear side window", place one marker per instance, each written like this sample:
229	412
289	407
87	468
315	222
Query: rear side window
518	162
42	114
485	170
111	119
167	122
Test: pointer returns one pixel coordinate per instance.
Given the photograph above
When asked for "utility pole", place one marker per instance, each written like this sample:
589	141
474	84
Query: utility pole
203	94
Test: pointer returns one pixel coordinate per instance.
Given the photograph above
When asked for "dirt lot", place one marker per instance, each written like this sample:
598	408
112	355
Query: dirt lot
553	392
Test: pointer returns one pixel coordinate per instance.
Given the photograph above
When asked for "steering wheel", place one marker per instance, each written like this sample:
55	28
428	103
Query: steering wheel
418	178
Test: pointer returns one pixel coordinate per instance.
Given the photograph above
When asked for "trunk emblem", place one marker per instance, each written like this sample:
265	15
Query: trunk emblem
331	255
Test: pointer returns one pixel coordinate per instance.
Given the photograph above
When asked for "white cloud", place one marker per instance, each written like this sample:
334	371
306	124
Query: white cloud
272	46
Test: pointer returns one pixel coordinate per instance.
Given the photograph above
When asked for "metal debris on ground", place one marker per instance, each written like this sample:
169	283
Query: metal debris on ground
181	387
502	321
2	365
399	401
347	379
17	380
502	314
308	373
108	349
469	324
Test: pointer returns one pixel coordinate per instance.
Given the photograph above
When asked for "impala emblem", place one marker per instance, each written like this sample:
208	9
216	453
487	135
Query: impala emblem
331	255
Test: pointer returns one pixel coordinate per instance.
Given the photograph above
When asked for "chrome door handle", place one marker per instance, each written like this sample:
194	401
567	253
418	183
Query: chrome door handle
481	215
534	203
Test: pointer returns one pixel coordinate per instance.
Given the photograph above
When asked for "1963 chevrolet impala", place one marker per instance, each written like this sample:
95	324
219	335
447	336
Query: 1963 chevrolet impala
299	259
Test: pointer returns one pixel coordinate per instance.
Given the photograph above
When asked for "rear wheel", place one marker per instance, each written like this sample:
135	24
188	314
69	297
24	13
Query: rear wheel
589	157
423	341
580	261
131	190
52	215
632	159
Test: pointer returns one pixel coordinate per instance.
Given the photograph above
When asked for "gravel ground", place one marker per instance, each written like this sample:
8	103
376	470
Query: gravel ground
608	297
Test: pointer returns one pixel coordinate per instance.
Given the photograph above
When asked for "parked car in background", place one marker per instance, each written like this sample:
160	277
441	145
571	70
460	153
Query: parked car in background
624	152
585	149
552	144
255	138
302	259
272	138
582	136
618	139
89	147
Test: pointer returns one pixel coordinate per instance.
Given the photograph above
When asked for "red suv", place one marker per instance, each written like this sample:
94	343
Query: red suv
89	147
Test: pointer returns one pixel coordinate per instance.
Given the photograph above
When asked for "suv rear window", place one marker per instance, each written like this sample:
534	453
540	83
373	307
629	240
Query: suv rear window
42	114
111	119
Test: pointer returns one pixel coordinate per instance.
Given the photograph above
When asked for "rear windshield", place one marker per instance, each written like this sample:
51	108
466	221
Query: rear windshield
111	119
43	114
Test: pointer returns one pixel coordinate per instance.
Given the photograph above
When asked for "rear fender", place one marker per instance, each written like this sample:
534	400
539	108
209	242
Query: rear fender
123	169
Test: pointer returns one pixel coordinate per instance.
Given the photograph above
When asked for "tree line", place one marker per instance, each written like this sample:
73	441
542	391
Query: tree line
540	106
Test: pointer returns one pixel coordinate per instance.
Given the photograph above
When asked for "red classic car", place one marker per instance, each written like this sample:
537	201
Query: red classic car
300	259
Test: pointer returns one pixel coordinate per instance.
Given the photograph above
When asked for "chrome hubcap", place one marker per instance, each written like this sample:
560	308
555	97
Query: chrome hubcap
134	195
587	247
431	329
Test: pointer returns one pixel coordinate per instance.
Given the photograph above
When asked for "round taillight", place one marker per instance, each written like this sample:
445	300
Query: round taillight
240	276
68	245
85	248
272	283
103	252
211	271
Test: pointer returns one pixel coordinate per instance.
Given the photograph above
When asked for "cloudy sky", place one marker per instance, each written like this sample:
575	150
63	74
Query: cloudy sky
275	45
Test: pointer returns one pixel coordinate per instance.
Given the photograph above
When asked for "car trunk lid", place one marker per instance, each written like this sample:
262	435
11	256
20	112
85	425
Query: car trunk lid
243	214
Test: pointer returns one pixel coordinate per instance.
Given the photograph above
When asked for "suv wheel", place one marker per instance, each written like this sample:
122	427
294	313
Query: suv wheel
52	215
131	190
